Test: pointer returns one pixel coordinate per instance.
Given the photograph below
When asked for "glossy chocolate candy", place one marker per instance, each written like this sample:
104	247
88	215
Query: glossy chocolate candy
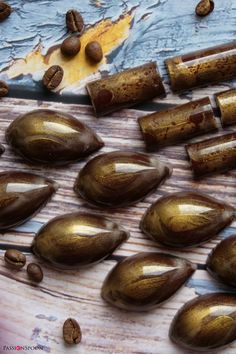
227	104
186	219
143	281
120	178
125	89
77	239
177	124
221	262
2	149
202	67
206	322
21	196
213	155
51	137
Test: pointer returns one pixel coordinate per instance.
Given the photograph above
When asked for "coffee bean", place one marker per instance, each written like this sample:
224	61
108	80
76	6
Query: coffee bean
53	77
5	11
74	21
15	258
205	7
71	331
35	272
70	46
3	88
93	51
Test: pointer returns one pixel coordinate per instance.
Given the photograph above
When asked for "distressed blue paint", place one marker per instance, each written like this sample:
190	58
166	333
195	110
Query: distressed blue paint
160	29
204	286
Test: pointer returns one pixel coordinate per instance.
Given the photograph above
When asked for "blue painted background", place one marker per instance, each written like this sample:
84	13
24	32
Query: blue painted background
160	29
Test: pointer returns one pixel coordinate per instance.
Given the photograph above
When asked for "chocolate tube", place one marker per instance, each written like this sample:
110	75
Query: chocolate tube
202	67
227	104
125	89
213	155
176	124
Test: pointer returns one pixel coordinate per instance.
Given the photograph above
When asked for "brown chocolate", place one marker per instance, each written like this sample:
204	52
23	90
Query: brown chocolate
125	89
202	67
177	124
227	104
213	155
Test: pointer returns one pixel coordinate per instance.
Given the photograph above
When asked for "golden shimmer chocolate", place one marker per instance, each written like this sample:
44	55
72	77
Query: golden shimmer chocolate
125	89
202	67
213	155
177	124
226	102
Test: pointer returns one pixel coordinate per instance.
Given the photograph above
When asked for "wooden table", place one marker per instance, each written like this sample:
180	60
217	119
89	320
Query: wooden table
132	32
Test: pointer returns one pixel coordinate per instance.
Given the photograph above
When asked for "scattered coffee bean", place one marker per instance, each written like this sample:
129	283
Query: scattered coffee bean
71	331
93	51
35	272
70	46
15	258
3	88
5	11
74	21
53	77
205	7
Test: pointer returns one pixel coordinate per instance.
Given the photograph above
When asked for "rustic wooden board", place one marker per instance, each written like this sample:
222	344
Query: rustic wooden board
132	32
77	293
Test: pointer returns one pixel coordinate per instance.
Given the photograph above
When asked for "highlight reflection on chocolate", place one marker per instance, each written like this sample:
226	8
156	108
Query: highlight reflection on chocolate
227	104
213	155
177	124
125	89
202	67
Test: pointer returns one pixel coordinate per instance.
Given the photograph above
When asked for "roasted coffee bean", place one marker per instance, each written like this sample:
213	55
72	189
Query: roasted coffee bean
35	272
207	322
78	239
53	77
52	137
3	88
74	21
186	219
204	7
5	11
2	149
120	178
221	262
93	51
143	281
15	258
21	196
71	331
71	46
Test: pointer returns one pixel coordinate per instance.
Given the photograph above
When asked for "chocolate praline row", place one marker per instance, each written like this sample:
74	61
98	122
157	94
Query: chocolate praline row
125	89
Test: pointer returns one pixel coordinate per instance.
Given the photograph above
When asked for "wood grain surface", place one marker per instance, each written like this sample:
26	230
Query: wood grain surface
33	315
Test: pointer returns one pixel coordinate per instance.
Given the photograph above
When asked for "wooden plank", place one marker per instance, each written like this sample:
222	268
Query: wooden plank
77	294
129	138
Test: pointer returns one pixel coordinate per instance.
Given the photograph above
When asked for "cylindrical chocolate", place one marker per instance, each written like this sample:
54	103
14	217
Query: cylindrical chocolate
213	155
125	89
202	67
227	104
177	124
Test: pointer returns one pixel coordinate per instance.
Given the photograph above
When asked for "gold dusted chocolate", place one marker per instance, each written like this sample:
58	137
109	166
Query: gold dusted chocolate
202	67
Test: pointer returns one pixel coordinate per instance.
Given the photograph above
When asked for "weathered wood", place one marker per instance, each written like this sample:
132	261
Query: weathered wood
105	329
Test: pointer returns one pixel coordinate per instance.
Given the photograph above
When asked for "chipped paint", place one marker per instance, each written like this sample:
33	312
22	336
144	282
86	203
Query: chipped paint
109	34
